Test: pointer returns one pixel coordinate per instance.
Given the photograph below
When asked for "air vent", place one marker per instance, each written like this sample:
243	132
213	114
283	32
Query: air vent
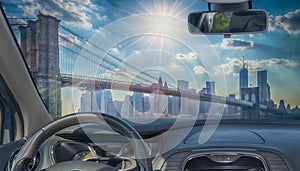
224	162
275	163
174	162
31	165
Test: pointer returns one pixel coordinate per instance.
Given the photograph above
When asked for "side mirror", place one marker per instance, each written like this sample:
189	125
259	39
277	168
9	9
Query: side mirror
228	22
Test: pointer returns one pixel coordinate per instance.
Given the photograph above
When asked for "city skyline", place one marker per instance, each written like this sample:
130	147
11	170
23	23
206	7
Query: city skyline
140	104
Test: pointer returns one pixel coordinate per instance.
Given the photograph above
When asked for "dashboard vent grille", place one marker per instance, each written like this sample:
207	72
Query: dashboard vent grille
222	162
275	163
174	162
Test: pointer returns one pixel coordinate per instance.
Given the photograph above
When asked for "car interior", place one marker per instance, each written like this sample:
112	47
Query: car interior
118	85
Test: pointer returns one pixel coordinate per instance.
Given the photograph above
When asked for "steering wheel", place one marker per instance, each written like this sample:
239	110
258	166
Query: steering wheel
29	149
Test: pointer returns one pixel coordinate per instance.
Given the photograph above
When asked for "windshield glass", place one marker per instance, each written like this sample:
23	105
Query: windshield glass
137	59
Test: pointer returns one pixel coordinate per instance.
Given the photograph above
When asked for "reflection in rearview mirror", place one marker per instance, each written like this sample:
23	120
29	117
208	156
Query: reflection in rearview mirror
228	22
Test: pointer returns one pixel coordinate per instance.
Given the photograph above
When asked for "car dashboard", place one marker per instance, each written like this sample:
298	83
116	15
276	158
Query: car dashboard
233	146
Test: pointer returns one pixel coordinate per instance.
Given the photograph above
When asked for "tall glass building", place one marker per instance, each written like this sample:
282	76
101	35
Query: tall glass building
262	83
243	78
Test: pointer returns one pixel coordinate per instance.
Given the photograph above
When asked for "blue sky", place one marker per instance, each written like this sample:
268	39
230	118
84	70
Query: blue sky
277	50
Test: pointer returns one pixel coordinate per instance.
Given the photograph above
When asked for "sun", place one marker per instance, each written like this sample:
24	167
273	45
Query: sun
164	15
161	20
163	24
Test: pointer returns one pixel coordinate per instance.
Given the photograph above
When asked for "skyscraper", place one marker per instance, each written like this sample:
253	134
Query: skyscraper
146	104
159	82
231	109
244	76
166	84
182	85
86	102
127	108
174	105
158	103
210	87
264	88
107	104
282	106
138	102
210	90
193	104
90	101
183	101
268	93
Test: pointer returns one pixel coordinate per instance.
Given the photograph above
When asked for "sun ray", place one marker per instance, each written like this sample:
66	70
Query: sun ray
144	7
135	41
178	12
174	6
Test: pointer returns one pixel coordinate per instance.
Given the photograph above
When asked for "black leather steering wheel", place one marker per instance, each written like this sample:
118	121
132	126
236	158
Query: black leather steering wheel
29	149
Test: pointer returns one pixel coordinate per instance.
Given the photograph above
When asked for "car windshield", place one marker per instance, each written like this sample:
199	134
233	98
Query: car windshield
137	59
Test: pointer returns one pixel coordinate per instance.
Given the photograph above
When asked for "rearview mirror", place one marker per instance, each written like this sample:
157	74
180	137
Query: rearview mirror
228	22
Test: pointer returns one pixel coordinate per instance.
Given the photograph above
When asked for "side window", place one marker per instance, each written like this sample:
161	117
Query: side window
7	132
11	122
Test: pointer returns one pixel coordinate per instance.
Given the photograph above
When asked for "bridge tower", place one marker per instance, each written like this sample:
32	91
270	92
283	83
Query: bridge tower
39	43
251	95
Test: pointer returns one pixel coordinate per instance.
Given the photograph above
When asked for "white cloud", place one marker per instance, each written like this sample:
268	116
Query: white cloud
199	70
191	55
234	65
101	17
118	74
274	62
31	9
71	39
180	56
75	13
87	3
115	50
290	22
236	44
135	52
107	74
